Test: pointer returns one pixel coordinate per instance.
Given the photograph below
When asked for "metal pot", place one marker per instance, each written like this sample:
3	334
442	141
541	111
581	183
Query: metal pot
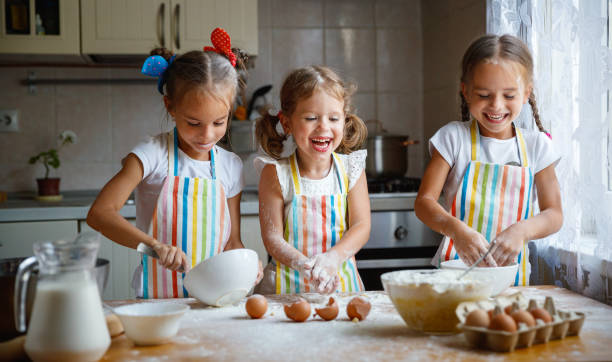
387	155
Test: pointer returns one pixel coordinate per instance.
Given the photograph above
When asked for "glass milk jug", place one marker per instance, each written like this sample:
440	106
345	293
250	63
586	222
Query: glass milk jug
67	322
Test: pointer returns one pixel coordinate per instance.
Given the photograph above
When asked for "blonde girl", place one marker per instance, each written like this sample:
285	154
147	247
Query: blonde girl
314	207
187	188
492	172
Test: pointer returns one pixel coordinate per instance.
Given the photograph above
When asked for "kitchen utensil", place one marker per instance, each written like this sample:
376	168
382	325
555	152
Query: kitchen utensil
257	100
387	154
67	318
147	250
481	258
225	278
500	278
427	299
151	323
8	271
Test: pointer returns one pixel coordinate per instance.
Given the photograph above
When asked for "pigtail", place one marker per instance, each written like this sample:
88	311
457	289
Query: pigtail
355	133
242	61
465	110
536	113
163	52
268	137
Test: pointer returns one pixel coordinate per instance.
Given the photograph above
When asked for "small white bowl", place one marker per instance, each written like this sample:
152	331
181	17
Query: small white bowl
499	278
224	279
151	323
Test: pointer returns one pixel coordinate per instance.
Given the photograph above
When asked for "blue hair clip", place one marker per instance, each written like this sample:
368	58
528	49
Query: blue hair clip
156	66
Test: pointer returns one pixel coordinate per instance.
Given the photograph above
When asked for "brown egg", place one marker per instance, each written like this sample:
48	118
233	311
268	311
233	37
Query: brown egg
256	306
541	313
358	308
330	311
508	309
503	322
523	316
478	318
298	311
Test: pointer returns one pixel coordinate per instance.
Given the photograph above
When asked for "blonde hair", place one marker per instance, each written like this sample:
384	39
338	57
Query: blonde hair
506	47
300	84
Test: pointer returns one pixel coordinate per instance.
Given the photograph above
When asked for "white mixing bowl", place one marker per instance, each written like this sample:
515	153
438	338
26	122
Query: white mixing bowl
151	323
224	279
499	278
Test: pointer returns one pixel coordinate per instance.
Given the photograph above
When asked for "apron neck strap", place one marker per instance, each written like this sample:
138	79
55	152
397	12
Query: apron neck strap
295	174
173	156
475	143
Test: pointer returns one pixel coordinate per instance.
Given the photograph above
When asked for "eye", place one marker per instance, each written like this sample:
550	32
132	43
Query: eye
334	118
310	118
483	96
508	96
219	123
193	123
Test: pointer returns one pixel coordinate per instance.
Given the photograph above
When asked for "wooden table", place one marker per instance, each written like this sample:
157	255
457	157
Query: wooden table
208	333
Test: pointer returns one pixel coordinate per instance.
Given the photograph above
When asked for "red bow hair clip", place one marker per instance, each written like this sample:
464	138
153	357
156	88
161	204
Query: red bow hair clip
222	45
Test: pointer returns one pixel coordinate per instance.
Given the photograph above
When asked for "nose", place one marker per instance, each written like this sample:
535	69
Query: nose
208	133
497	102
324	123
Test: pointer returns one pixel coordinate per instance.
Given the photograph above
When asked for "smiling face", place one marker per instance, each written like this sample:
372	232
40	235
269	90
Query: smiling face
317	126
201	121
495	96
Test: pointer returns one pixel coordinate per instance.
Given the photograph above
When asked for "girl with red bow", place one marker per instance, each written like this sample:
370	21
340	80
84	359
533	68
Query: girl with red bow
187	188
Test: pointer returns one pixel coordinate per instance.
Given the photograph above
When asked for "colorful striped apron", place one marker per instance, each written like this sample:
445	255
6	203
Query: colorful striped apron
313	225
490	198
192	214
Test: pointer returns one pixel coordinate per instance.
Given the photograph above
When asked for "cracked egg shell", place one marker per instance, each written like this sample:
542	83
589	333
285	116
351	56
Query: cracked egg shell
299	311
256	306
329	312
358	308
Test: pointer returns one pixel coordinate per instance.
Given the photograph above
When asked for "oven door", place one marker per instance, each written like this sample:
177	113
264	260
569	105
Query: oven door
398	240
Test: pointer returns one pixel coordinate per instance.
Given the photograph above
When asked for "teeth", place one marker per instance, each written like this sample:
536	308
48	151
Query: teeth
495	116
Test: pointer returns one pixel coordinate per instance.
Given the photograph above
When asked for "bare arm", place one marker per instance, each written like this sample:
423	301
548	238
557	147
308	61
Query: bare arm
104	215
234	241
271	206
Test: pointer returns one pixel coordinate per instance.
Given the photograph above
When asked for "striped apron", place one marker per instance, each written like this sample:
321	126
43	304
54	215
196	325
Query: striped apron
313	225
490	198
191	214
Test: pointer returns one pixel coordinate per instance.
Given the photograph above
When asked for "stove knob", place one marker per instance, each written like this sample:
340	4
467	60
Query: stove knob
400	233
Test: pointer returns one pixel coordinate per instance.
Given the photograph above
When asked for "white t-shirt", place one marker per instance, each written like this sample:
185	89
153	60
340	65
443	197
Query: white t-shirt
354	164
153	154
453	143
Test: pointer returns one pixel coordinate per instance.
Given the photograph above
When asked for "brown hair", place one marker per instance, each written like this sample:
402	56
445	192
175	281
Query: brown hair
300	84
211	71
505	47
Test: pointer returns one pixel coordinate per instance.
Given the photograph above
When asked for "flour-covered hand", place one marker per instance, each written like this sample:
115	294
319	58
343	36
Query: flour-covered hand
171	257
325	277
470	245
509	245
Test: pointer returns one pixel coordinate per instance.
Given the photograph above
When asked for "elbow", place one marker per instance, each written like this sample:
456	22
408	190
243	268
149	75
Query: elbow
93	219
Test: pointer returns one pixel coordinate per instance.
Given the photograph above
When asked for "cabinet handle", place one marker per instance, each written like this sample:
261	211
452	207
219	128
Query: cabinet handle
161	20
177	40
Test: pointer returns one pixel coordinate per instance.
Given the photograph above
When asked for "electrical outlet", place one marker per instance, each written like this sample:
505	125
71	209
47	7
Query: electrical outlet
9	120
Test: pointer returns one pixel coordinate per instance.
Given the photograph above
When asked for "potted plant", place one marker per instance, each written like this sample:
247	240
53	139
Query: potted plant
48	187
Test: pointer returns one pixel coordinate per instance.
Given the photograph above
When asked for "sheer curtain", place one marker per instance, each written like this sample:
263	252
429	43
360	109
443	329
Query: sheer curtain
569	42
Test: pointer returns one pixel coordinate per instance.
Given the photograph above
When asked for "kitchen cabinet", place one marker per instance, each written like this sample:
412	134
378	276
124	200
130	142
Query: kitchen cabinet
39	27
123	262
17	238
137	26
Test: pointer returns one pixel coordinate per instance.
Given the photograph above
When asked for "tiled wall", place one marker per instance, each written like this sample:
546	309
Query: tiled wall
379	45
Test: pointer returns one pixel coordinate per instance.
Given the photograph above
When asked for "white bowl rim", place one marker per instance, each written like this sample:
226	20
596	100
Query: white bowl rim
450	265
218	256
385	277
151	309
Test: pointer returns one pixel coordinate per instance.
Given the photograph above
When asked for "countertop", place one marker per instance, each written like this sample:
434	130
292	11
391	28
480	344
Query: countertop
217	334
76	204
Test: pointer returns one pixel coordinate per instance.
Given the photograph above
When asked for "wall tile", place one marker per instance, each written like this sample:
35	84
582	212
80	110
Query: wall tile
85	175
349	13
352	53
399	60
401	113
365	105
264	13
261	74
398	13
297	13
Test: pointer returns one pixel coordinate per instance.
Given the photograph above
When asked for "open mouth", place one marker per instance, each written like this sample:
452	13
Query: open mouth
320	144
496	117
204	146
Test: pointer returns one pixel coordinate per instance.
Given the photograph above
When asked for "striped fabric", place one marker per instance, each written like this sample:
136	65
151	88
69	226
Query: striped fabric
313	225
492	197
192	214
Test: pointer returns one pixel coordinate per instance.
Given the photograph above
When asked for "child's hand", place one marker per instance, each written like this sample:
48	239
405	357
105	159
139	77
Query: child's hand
304	266
325	272
171	257
471	245
509	245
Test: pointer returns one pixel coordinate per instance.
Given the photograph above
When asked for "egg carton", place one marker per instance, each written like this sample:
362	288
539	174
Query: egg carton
564	324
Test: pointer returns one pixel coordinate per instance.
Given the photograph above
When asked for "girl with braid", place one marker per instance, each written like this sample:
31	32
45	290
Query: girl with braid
491	172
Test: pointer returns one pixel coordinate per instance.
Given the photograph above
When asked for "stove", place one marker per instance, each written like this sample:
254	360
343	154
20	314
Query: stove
398	239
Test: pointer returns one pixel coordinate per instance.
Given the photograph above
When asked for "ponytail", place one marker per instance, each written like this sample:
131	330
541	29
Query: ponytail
268	137
536	113
355	133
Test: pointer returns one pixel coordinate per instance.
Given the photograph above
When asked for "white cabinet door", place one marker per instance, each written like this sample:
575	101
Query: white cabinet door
194	20
123	261
250	234
17	238
32	27
124	26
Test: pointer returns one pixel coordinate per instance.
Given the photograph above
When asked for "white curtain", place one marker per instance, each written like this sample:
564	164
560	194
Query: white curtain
573	64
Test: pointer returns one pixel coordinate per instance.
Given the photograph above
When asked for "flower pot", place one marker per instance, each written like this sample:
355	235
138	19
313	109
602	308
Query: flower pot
48	186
